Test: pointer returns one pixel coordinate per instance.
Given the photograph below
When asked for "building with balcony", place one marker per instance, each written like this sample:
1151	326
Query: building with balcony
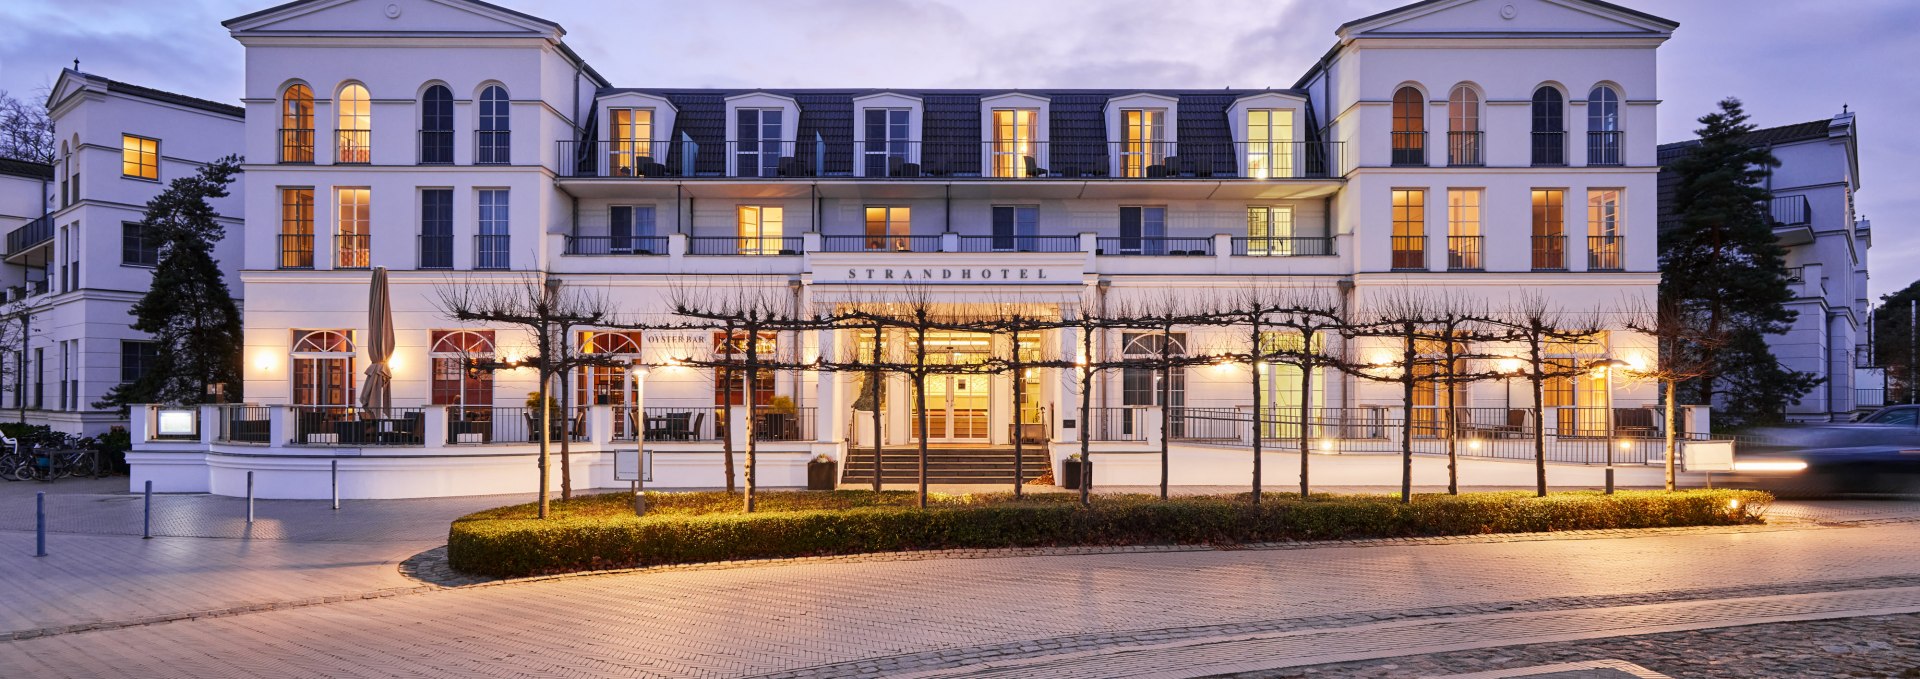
74	271
1826	243
1494	152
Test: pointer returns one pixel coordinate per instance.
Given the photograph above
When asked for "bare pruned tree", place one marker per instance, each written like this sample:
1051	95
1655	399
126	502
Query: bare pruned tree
26	130
1459	333
1683	336
1312	317
1407	318
1536	324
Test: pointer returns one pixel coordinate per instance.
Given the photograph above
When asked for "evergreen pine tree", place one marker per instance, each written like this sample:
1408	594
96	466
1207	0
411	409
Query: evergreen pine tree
189	311
1894	349
1723	260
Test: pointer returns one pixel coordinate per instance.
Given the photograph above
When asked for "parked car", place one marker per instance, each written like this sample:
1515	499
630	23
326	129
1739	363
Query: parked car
1880	453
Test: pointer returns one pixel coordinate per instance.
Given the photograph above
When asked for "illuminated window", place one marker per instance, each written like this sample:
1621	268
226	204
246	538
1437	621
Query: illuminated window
1604	239
1409	229
355	125
606	384
730	384
296	125
353	222
1463	229
1144	150
1463	127
1409	127
323	368
296	228
454	383
761	229
139	157
1270	231
1549	229
1270	143
632	147
1014	142
888	228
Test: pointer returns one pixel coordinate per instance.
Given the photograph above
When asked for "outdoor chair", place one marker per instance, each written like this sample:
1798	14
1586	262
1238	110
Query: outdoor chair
791	167
1033	167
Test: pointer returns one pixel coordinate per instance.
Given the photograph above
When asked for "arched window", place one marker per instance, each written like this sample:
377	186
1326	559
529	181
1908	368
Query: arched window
1409	127
355	125
495	129
1549	127
323	369
436	126
296	125
607	384
1603	127
457	382
1463	127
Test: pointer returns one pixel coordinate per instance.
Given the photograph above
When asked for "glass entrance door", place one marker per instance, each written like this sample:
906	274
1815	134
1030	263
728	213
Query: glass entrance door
957	404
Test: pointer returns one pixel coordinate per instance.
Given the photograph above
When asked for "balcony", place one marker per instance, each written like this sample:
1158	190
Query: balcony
436	251
1011	243
1409	253
1464	149
24	238
354	147
492	147
1550	253
1282	247
900	160
1463	253
353	250
1409	149
1153	246
1605	253
745	245
616	245
436	147
296	146
1549	149
1604	149
296	251
1792	218
880	243
492	251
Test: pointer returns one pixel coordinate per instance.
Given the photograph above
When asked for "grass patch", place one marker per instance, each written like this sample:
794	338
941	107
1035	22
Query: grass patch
600	532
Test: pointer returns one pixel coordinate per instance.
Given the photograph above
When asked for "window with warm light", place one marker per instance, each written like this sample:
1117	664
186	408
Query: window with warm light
139	157
456	381
296	125
889	228
1014	142
1409	229
354	125
1270	231
631	148
1463	230
1409	127
1143	151
353	227
730	383
296	228
323	368
761	229
1270	143
607	384
1549	230
1463	127
1604	240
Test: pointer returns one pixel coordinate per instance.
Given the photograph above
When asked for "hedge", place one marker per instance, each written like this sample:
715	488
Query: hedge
600	532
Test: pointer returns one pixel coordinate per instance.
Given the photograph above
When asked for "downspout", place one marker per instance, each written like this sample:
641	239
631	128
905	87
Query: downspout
799	376
946	220
679	224
1100	289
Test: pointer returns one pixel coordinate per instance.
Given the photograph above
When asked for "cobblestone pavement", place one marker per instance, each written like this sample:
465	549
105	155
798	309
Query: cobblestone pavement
1871	646
848	618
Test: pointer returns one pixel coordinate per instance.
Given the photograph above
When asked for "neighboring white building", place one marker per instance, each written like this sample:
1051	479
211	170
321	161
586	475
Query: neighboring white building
1491	149
118	145
1813	213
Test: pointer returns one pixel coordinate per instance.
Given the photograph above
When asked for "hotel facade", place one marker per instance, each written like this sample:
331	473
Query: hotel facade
1488	152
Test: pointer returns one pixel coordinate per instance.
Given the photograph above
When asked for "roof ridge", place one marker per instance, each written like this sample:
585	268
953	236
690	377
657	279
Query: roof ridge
161	95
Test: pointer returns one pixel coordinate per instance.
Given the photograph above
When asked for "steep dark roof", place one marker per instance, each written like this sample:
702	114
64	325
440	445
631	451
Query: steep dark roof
165	96
1772	136
25	168
950	123
1597	3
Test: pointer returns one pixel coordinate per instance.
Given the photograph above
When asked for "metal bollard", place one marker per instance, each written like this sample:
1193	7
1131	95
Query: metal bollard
40	523
1609	480
249	497
335	470
146	512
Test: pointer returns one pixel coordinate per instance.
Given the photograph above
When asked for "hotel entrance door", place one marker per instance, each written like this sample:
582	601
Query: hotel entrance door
957	404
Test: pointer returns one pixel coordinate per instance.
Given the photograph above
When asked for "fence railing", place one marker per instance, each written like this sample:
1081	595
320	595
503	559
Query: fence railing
1572	435
244	424
436	147
296	146
1463	253
783	424
30	234
296	251
1604	148
1153	246
616	245
354	147
744	245
1409	253
1790	210
1409	149
1268	246
492	251
492	147
1124	423
512	424
1549	148
348	426
1464	149
1605	253
436	251
1010	243
880	243
1550	253
1008	159
682	424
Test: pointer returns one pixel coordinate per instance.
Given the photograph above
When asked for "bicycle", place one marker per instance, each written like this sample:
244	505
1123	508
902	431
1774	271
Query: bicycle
11	457
49	464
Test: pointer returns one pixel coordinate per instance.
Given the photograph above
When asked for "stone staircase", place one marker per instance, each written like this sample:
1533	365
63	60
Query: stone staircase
945	465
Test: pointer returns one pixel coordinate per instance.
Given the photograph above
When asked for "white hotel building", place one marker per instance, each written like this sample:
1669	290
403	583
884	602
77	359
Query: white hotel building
1486	148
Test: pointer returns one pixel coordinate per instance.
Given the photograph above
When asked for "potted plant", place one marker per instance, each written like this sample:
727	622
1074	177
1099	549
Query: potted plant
1070	471
822	473
559	423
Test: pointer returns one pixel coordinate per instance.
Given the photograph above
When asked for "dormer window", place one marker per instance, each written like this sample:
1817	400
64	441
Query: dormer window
631	151
1143	151
1270	143
885	150
758	141
1014	142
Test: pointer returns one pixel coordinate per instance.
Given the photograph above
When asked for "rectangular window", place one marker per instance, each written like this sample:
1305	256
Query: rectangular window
136	249
353	222
1144	151
630	230
139	157
1011	223
631	153
759	142
296	228
136	358
1270	233
1409	229
1549	230
1143	230
885	152
1270	144
491	247
436	228
1605	242
889	228
761	228
1463	230
1014	142
730	384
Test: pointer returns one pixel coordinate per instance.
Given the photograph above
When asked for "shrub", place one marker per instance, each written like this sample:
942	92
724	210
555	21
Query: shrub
600	532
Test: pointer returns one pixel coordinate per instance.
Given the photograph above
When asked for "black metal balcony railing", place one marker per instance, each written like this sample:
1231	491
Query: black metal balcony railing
1409	148
296	146
296	251
492	147
1464	149
1463	253
1549	149
492	251
945	160
347	426
880	243
436	147
1153	246
1550	253
1604	148
783	424
744	245
1270	246
1604	253
1790	210
29	235
1409	253
616	245
1010	243
436	251
353	251
353	147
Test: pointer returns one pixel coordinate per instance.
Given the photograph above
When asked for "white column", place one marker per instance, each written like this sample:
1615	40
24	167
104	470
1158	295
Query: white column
435	424
828	409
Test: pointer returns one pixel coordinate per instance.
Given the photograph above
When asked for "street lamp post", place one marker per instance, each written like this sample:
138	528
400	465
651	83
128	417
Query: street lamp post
638	374
1605	368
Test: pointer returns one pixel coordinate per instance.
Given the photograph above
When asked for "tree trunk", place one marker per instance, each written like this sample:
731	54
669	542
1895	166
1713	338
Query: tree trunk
1019	425
1259	416
1086	414
879	392
726	422
1672	419
920	402
546	463
1406	425
1453	451
1306	411
1539	422
566	436
1166	405
746	399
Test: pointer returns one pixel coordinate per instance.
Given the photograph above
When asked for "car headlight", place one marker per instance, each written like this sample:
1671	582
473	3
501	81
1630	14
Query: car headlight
1769	466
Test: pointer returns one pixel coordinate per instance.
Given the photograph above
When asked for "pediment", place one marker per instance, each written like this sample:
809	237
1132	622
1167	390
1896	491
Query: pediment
1482	17
65	88
437	17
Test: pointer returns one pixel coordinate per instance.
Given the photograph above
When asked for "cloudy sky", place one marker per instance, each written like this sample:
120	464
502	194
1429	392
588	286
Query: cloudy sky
1791	60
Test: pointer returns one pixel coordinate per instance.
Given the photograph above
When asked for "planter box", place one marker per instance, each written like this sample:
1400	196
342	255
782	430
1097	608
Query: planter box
1070	474
822	475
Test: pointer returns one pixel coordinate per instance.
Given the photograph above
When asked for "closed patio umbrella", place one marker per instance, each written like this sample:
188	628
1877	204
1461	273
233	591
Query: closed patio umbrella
377	394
